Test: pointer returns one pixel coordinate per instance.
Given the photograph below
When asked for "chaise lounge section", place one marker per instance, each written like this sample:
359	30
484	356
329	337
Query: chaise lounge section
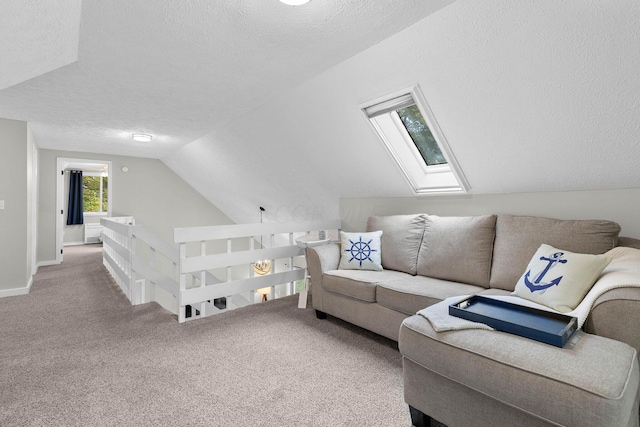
490	378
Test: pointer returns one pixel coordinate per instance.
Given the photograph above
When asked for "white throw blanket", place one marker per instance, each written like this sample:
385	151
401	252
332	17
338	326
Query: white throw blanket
440	319
622	272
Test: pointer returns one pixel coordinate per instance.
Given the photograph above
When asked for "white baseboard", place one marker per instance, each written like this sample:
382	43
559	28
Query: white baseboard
73	243
25	290
46	263
16	291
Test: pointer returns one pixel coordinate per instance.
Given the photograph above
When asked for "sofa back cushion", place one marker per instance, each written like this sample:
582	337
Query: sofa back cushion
628	242
519	237
400	242
458	248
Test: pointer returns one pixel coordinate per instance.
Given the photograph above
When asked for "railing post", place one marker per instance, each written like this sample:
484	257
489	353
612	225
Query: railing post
229	271
203	278
183	284
272	290
130	247
292	285
252	247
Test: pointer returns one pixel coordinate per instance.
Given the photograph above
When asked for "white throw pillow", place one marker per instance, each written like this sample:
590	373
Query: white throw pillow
360	251
559	279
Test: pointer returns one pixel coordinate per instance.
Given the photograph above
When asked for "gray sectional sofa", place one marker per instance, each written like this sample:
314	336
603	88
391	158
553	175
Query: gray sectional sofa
484	377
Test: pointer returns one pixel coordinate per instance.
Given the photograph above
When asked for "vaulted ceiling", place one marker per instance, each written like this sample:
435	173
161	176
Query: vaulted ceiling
255	103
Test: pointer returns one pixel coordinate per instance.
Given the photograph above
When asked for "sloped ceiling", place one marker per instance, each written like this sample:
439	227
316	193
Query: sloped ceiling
258	104
531	96
179	69
37	37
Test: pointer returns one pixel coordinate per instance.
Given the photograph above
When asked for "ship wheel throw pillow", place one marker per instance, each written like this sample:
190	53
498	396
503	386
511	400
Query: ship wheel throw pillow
559	279
360	251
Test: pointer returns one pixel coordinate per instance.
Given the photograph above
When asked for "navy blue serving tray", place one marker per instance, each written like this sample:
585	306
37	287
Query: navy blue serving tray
539	325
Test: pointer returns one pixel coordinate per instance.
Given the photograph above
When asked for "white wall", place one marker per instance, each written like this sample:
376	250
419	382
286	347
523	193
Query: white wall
16	218
620	206
151	192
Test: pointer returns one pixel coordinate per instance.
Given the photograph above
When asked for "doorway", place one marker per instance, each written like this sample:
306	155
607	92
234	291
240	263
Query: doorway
92	168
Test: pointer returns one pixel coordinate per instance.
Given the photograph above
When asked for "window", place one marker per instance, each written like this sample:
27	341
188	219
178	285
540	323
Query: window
96	193
410	132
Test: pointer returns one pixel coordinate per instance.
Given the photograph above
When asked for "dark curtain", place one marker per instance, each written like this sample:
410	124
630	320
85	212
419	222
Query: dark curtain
75	209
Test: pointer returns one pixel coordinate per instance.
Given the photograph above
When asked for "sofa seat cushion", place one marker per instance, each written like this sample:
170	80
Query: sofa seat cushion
358	284
409	294
591	381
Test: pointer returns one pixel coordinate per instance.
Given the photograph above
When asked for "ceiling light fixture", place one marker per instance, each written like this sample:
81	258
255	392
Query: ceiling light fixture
142	137
294	2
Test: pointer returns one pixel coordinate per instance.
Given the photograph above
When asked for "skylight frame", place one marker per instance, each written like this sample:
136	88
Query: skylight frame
423	179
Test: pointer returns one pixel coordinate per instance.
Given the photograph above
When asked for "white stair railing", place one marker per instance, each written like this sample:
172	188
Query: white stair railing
117	252
142	264
238	264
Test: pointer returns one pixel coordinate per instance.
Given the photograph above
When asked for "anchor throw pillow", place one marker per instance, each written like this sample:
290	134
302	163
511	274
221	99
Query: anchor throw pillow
559	279
360	251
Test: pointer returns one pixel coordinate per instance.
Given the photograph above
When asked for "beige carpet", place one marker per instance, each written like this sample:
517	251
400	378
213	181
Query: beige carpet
74	352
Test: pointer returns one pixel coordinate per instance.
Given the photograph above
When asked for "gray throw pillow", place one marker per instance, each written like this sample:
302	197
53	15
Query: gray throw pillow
458	248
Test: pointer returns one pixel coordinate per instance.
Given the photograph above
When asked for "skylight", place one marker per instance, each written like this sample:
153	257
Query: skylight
410	132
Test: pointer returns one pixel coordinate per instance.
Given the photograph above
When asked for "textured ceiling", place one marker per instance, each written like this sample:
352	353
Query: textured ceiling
177	69
37	37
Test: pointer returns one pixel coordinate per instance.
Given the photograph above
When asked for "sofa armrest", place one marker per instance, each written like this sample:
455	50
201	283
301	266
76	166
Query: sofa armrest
323	258
616	315
320	259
